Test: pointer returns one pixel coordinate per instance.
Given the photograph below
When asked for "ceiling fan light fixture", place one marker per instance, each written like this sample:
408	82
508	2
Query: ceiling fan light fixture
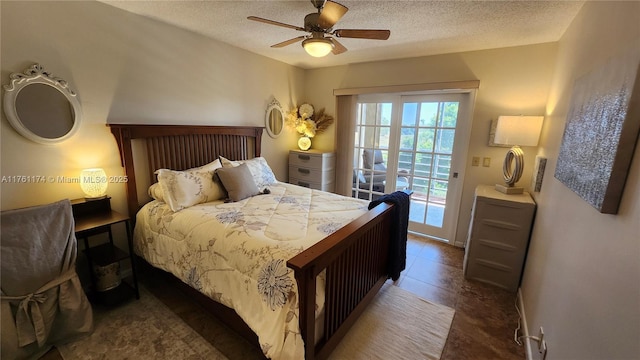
320	26
317	47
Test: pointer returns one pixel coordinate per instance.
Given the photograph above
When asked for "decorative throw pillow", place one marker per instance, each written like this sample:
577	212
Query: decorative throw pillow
182	189
259	168
238	182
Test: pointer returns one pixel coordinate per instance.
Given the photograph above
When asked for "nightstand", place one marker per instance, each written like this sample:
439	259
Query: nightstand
312	169
94	217
498	237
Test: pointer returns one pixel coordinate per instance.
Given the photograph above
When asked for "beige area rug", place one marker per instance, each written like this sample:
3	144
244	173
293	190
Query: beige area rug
397	325
140	329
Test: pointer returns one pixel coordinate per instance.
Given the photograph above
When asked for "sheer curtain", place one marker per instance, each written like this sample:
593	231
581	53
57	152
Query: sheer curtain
346	128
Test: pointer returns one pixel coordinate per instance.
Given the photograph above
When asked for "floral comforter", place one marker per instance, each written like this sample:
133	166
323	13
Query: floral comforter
236	253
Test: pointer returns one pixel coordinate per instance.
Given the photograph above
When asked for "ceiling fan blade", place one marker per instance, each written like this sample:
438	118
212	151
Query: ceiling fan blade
288	42
267	21
363	34
338	48
330	14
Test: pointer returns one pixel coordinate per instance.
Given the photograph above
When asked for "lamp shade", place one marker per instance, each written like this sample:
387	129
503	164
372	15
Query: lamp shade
518	130
317	47
94	183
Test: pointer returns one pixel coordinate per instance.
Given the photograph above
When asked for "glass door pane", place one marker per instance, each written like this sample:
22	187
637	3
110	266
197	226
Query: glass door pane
409	142
371	149
428	131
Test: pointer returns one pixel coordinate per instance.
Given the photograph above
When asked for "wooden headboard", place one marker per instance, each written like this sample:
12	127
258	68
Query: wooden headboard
180	147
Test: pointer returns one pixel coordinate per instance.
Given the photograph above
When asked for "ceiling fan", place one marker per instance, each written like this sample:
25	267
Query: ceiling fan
320	26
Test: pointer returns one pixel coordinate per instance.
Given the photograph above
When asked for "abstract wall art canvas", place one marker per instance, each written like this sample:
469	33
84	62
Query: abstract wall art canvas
601	132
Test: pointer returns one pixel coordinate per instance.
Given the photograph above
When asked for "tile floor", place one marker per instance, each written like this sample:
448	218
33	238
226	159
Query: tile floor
486	317
482	328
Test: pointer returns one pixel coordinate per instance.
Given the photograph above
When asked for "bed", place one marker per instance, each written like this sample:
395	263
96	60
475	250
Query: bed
349	265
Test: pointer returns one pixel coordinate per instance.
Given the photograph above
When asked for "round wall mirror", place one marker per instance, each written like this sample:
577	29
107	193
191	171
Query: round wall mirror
41	107
274	119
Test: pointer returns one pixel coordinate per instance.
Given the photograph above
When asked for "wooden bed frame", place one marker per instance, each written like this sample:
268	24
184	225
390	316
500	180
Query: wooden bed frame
354	257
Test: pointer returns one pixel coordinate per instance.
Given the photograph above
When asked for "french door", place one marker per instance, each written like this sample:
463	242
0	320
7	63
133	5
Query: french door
416	142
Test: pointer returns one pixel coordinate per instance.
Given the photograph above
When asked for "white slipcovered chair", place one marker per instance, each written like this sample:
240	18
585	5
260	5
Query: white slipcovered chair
43	302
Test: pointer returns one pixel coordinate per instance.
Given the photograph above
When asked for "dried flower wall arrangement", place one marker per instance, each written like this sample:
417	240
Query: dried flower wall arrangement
308	122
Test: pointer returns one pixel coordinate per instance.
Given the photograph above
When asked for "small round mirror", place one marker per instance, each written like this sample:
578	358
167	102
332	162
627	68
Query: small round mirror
274	119
41	107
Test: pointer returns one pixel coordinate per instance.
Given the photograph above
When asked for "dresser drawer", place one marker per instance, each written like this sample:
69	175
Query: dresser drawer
316	185
494	273
309	160
514	213
498	252
310	174
508	233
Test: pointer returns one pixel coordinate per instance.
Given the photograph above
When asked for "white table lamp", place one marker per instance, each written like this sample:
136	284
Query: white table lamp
94	183
516	131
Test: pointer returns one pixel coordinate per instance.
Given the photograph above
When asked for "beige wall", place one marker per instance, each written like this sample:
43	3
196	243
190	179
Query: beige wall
582	276
126	68
512	81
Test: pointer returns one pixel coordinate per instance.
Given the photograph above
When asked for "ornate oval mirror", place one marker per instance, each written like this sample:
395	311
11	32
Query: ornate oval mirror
41	107
274	119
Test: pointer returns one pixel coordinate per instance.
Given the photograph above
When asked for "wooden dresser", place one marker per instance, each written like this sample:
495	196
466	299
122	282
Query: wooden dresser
498	237
313	169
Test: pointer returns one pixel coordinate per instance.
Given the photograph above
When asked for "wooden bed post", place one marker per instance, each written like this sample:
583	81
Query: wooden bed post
258	143
306	309
123	137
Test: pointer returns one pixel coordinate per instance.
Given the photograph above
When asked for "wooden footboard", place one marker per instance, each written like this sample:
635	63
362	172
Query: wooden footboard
355	259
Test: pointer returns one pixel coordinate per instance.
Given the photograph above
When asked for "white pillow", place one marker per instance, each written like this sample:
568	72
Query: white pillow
211	167
155	191
182	189
259	168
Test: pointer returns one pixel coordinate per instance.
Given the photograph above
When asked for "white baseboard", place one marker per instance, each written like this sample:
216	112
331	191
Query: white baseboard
523	326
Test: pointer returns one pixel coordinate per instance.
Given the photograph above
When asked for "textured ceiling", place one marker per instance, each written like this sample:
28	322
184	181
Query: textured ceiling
418	28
